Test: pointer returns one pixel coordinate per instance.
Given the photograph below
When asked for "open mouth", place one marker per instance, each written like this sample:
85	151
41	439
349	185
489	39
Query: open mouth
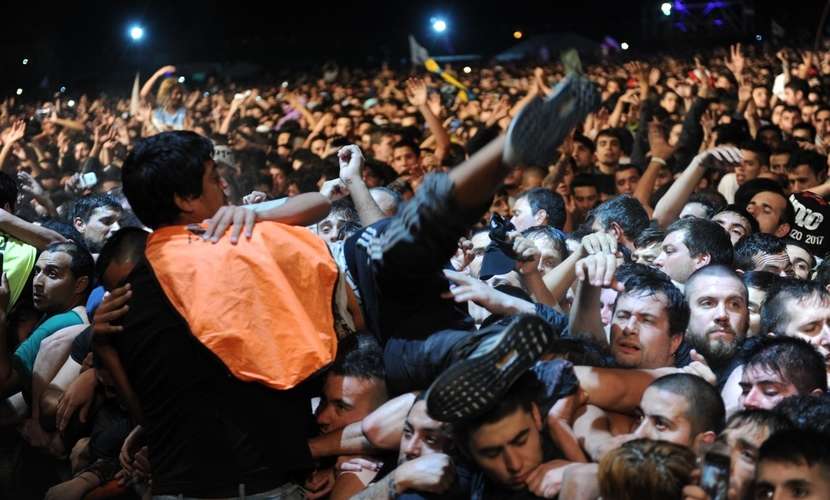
627	347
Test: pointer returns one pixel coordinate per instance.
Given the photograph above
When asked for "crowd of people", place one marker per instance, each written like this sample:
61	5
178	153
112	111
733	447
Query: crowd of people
611	284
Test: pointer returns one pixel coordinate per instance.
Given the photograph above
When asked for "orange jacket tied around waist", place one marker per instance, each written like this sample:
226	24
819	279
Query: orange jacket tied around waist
263	306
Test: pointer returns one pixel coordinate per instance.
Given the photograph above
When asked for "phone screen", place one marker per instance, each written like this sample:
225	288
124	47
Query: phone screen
714	476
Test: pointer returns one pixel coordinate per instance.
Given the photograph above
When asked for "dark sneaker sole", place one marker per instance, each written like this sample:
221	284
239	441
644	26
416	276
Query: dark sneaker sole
542	125
474	385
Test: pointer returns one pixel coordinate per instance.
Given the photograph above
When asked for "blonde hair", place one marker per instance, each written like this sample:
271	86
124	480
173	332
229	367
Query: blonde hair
644	468
165	89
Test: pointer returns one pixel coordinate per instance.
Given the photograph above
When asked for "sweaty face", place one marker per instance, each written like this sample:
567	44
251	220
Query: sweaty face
348	399
585	198
102	223
523	217
776	263
718	316
743	441
802	261
640	336
608	150
647	254
674	258
756	300
762	388
809	319
768	208
801	178
626	180
693	209
663	417
606	301
509	449
404	160
735	225
54	286
549	256
785	481
422	435
749	168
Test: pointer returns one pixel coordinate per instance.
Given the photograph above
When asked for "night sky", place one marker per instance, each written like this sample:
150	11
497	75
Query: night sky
82	43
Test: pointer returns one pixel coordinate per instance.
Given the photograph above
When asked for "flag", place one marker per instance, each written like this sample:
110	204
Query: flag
417	53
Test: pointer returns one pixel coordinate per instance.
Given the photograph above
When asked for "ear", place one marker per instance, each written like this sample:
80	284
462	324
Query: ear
674	343
537	416
783	230
540	217
184	204
617	231
703	260
707	437
78	223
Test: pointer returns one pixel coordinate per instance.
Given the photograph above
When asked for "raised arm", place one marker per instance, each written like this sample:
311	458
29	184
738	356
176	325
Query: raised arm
33	234
351	173
660	152
416	92
148	85
10	136
670	205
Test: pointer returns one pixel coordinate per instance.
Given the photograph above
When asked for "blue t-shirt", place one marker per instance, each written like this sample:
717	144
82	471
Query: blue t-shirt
26	352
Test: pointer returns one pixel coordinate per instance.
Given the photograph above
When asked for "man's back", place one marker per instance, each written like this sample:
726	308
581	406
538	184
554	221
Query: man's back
207	432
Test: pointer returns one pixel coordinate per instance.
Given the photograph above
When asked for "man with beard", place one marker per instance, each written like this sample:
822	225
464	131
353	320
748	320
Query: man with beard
718	316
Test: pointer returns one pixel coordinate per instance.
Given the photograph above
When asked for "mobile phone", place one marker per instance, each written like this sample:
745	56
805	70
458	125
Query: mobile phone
714	475
87	180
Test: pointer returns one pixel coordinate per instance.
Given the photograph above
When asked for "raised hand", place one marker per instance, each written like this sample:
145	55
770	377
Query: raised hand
416	92
657	143
14	133
719	158
736	62
113	307
29	185
351	163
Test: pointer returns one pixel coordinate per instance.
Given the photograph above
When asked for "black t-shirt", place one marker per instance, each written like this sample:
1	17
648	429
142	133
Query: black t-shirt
207	432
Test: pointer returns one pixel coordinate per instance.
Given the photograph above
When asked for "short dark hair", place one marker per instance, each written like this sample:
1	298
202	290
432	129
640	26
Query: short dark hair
552	203
822	274
403	143
703	236
625	211
8	191
806	412
160	167
774	317
556	237
816	162
359	356
809	127
770	420
651	282
760	149
754	244
705	411
127	244
83	207
718	270
585	141
521	395
81	262
762	280
650	235
584	180
797	447
735	209
644	468
712	200
795	360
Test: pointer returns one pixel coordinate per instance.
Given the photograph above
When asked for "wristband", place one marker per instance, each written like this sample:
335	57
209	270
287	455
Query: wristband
661	161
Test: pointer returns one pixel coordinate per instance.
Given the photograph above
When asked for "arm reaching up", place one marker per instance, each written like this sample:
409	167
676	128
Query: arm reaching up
148	85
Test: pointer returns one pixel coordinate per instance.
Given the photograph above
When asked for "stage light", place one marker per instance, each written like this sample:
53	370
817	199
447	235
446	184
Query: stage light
19	92
71	103
467	69
518	35
665	8
181	79
624	45
25	61
759	38
136	32
62	89
439	25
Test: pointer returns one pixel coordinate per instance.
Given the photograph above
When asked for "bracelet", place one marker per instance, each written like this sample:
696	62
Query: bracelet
655	159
